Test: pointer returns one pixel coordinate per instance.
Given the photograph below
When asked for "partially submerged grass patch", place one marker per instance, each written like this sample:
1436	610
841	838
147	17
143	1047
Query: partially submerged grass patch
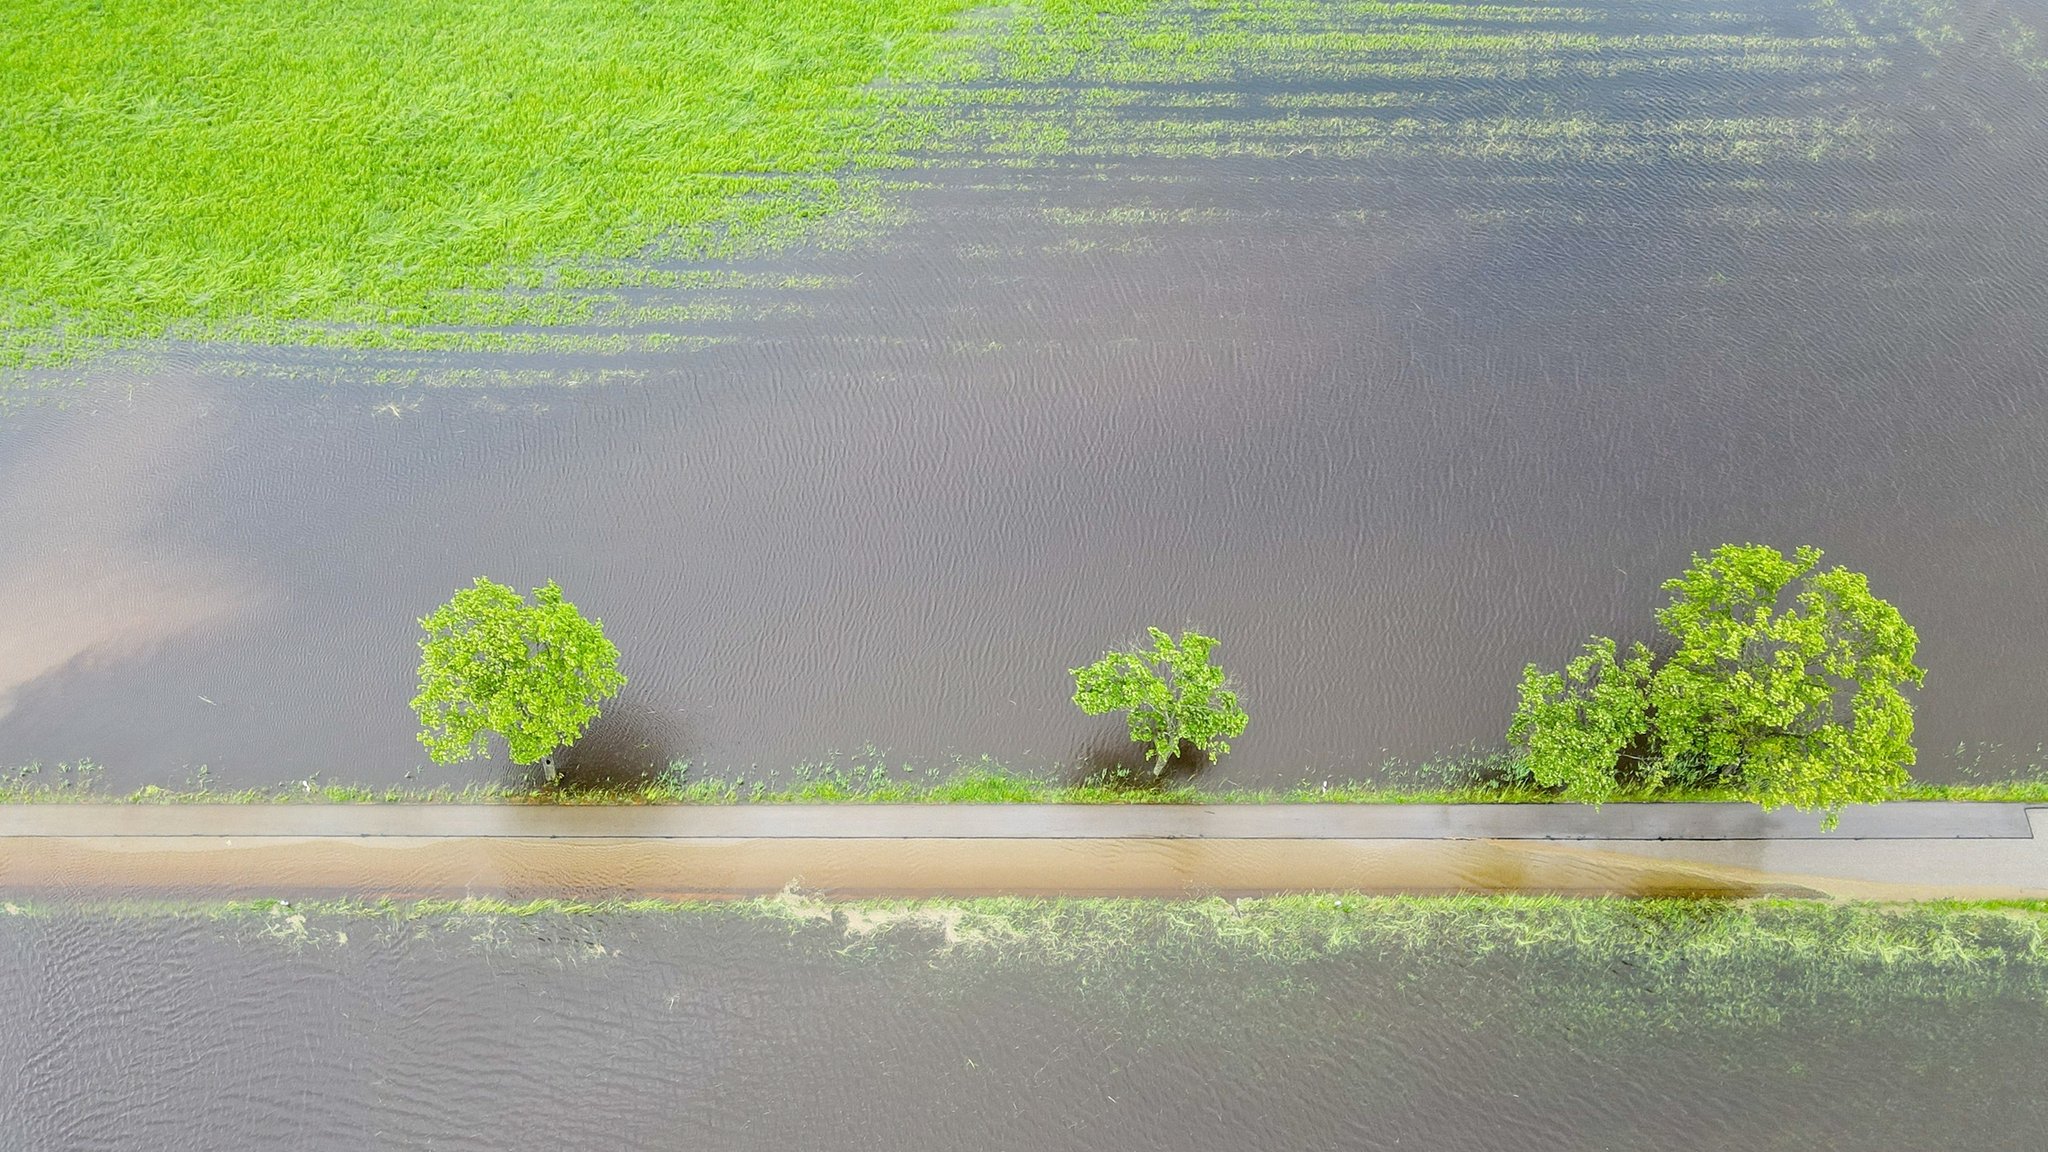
460	176
1685	948
1495	84
1288	927
1528	997
1473	778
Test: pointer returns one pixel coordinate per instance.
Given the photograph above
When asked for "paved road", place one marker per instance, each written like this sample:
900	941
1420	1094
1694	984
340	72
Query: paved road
1902	850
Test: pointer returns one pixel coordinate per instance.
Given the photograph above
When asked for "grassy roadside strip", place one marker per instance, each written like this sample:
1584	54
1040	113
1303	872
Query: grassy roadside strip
1301	926
972	784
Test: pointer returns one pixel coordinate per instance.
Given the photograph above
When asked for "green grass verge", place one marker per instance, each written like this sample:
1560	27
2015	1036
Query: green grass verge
1471	780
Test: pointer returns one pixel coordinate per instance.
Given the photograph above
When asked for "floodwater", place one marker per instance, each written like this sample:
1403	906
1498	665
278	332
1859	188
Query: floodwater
1392	371
686	1030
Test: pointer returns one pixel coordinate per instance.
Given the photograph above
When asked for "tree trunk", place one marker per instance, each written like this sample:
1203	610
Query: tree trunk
548	774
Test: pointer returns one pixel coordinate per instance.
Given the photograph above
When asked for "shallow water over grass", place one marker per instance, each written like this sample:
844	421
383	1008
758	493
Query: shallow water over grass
1300	1024
1395	345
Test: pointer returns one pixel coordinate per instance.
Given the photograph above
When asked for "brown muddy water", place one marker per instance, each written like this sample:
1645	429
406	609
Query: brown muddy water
428	867
704	1029
1390	405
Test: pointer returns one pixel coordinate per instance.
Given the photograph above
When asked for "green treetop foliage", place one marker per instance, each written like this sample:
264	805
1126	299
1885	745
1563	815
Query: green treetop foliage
1783	681
1580	723
1173	695
532	673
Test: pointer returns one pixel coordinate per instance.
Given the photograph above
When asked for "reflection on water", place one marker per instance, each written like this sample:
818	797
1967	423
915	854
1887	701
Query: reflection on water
100	578
1393	368
674	1030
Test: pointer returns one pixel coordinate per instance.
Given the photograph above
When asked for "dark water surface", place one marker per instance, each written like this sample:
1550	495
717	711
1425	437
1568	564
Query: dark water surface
1392	369
658	1031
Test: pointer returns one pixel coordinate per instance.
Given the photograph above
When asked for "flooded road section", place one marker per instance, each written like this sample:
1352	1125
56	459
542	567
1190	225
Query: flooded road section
1193	1026
404	867
1393	372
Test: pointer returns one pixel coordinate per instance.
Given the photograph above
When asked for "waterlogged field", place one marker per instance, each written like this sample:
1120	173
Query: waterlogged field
1496	84
488	177
866	367
1310	1022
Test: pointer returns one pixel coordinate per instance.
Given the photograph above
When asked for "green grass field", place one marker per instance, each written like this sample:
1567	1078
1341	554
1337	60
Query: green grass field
269	171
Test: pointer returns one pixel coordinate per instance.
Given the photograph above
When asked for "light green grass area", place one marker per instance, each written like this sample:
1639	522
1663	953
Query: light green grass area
365	170
1475	779
457	176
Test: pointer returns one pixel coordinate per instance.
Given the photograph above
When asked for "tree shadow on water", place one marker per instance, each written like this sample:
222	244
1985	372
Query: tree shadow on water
1115	762
629	745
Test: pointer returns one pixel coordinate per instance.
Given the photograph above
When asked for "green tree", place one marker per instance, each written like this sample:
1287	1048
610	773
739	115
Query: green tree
1172	694
1784	681
532	673
1578	725
1800	699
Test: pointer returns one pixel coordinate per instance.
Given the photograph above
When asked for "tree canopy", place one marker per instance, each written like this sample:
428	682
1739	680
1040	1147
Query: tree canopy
1172	695
1784	682
532	673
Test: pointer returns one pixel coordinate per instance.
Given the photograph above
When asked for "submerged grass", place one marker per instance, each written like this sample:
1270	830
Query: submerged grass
1398	980
1683	933
1193	79
1296	925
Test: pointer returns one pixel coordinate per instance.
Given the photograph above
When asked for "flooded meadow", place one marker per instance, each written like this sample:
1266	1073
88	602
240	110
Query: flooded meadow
1298	1023
1396	345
